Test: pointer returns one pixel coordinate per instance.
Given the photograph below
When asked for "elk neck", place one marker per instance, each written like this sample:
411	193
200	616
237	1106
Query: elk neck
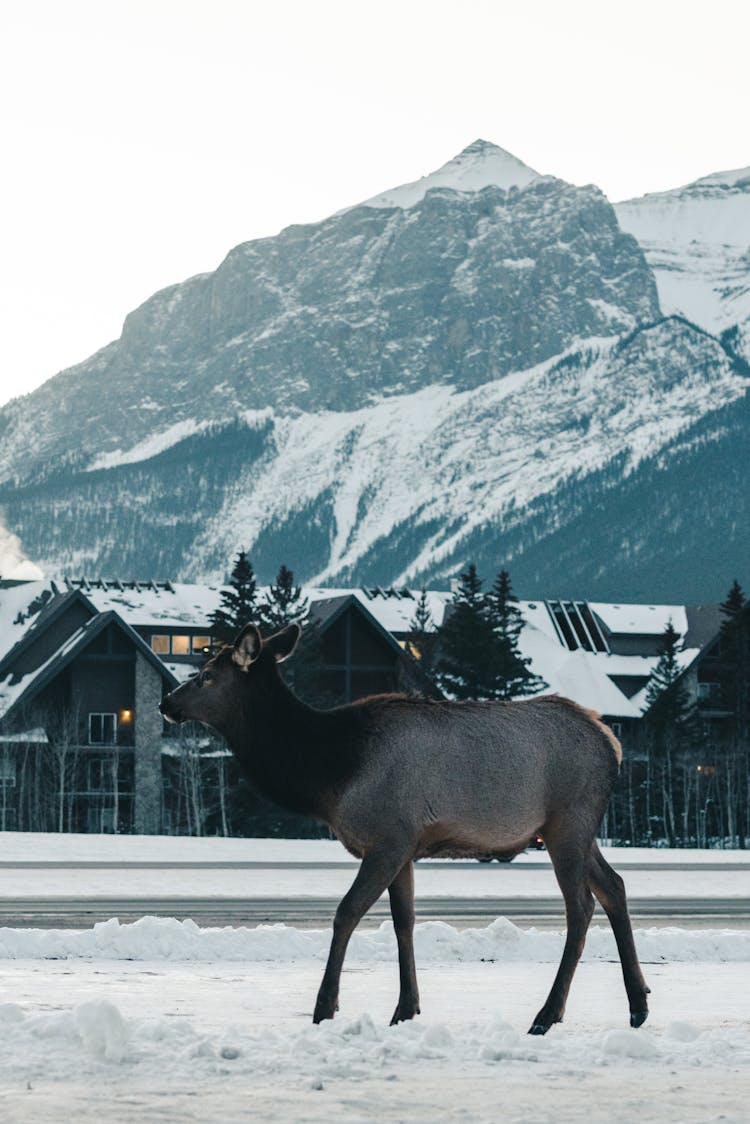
294	754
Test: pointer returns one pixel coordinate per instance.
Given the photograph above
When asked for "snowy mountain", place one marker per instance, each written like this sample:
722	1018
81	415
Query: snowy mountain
480	165
697	240
452	369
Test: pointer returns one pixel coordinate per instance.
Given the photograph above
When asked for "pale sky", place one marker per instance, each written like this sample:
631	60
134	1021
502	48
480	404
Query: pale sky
143	139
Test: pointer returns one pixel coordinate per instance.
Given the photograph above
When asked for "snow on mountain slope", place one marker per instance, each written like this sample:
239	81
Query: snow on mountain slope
480	164
444	462
697	240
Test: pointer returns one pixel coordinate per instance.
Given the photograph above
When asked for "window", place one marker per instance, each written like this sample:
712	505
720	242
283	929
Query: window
102	729
576	626
97	777
709	692
8	771
616	728
179	645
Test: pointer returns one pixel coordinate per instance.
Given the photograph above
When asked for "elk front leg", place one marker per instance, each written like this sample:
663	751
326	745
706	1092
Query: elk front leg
401	893
376	873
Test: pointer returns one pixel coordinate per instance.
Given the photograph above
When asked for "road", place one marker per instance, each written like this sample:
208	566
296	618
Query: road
72	912
78	894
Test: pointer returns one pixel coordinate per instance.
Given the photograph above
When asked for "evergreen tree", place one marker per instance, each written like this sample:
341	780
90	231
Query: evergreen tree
669	711
466	642
670	730
735	652
511	669
422	636
733	605
238	604
284	602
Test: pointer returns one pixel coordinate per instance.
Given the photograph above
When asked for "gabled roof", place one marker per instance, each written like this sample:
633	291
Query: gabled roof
55	606
327	610
13	695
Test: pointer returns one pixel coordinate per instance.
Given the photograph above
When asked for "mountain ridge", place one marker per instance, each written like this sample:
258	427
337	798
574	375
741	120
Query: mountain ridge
374	396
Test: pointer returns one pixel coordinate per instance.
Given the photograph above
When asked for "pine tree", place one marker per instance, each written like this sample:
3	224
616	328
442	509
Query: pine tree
735	651
466	642
238	604
511	669
671	728
422	636
733	605
669	711
284	602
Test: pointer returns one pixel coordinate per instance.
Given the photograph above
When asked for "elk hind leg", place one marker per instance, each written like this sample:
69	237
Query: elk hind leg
570	861
609	888
401	893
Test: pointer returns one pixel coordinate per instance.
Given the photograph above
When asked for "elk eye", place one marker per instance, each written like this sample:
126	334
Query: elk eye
206	679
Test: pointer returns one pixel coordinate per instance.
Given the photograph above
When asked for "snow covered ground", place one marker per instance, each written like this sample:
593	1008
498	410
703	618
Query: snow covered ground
162	1020
227	1036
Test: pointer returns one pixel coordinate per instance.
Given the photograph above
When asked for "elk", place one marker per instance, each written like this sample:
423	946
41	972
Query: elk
399	778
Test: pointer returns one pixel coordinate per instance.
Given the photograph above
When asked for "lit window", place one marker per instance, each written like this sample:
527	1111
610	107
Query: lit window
180	645
102	729
199	643
160	645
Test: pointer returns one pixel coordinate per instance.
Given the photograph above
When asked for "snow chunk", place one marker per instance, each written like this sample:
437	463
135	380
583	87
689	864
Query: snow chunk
681	1032
102	1029
629	1044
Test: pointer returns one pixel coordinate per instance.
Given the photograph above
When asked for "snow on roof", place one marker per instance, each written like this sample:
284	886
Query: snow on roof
392	612
481	164
176	606
582	676
16	599
640	620
684	659
11	692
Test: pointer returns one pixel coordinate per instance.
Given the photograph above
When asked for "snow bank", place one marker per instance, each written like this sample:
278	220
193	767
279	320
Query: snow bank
96	1038
167	939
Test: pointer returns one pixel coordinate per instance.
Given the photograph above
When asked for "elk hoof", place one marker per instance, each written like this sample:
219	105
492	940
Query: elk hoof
404	1012
325	1008
638	1018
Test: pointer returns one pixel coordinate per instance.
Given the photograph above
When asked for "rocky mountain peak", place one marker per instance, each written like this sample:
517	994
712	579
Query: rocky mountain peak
480	164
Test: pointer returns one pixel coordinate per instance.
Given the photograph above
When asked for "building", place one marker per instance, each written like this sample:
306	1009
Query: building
84	664
83	667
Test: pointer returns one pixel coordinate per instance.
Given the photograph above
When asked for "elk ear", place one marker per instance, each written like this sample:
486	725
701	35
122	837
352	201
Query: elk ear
247	647
282	644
